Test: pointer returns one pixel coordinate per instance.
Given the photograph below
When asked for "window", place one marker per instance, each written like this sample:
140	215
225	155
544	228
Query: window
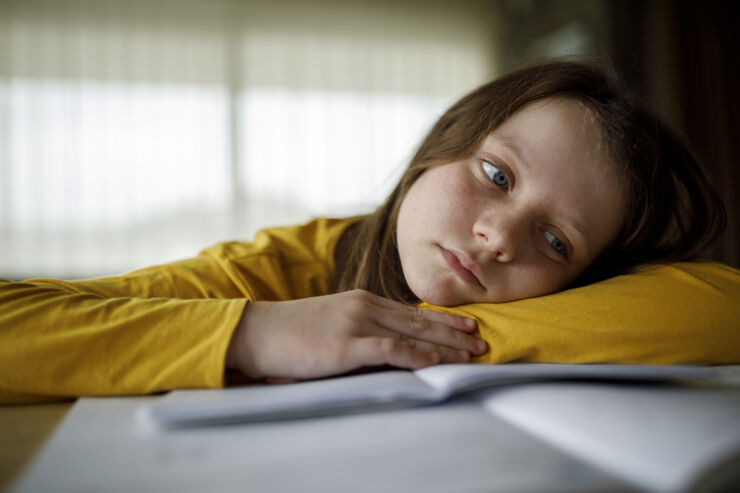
139	132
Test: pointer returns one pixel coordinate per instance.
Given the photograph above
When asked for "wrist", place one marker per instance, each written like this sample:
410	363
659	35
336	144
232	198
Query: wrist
237	357
232	361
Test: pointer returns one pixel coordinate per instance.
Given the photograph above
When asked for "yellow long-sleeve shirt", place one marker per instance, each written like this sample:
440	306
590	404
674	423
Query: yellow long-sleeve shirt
169	326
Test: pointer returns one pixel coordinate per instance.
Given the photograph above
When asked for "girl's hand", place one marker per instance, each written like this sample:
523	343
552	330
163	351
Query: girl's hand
333	334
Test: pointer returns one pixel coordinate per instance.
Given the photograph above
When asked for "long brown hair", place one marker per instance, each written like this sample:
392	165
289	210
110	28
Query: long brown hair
673	212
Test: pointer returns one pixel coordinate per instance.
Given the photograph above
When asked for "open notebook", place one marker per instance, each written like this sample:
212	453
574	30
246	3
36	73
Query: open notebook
550	428
385	389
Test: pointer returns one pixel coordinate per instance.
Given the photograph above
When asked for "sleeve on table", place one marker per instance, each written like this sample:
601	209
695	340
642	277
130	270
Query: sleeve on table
55	344
686	313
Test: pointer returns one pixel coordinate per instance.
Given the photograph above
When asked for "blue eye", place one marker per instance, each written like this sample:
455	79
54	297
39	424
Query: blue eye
496	175
556	243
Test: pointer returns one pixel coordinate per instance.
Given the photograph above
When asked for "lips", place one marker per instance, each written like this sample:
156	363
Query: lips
462	266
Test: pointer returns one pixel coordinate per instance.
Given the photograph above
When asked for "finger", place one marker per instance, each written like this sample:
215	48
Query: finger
456	321
370	351
425	325
446	354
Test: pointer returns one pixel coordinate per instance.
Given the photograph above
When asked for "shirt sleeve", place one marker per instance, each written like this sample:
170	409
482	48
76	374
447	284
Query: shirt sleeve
682	313
156	329
159	328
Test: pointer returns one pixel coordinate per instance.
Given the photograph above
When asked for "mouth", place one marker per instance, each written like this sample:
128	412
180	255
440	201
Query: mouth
462	266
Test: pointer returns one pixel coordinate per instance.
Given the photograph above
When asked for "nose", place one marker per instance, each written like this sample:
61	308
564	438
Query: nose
501	233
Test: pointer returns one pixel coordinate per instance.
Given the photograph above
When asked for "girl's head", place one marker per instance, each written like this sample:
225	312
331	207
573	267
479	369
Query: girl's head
546	177
524	214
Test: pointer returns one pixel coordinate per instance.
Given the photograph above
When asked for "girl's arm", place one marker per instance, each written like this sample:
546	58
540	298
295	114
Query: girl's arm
158	328
59	340
170	326
328	335
131	334
682	313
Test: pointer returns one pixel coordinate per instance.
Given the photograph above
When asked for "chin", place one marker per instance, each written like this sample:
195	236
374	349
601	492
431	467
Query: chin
439	296
444	296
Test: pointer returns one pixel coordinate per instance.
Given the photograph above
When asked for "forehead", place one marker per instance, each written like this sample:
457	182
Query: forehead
564	126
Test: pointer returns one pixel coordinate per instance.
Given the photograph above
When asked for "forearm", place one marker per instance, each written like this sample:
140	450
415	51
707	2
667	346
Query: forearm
671	314
56	344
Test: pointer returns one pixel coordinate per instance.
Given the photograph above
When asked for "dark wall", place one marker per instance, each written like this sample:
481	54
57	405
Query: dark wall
684	56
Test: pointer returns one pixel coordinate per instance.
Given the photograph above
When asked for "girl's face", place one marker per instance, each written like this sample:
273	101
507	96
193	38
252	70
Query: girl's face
523	216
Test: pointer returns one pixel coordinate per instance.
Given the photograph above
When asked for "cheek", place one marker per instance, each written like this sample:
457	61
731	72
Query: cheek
530	279
437	200
455	200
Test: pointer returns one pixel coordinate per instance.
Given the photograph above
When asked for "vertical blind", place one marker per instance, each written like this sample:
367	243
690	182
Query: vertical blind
138	132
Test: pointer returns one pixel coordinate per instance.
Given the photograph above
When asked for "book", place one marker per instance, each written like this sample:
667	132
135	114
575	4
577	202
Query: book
528	428
381	390
656	438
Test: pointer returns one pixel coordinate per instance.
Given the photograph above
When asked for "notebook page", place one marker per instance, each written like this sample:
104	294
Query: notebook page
661	438
184	407
448	379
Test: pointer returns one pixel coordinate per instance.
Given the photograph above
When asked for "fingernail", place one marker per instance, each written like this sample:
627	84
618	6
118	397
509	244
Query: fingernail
481	345
470	322
465	355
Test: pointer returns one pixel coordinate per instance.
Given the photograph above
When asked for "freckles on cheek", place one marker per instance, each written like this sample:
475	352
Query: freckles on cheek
460	194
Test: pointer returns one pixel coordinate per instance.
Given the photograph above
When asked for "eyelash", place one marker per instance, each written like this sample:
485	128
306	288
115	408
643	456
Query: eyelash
492	171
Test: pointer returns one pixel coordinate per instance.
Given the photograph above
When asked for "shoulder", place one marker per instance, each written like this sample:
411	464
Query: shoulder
309	242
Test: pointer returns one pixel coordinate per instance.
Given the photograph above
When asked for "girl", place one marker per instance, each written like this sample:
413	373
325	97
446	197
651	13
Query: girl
548	178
